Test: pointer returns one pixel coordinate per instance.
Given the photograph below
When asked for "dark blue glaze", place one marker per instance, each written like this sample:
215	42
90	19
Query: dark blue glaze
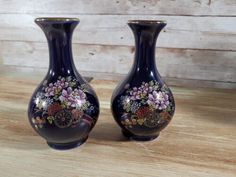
142	104
64	108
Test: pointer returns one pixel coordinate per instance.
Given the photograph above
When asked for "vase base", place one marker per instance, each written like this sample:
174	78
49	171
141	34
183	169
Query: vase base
139	138
65	146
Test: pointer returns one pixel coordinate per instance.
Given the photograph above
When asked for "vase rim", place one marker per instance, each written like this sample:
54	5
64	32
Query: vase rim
56	19
147	22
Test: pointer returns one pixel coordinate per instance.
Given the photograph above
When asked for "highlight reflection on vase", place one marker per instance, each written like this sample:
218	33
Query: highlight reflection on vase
142	104
64	108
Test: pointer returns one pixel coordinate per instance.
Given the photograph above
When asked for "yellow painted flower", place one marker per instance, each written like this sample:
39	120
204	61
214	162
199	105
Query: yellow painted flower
140	121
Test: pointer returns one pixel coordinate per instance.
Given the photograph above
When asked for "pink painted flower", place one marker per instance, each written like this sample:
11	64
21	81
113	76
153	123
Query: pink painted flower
56	87
73	98
159	100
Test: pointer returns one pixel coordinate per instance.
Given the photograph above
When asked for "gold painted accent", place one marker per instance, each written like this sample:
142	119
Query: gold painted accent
56	19
147	22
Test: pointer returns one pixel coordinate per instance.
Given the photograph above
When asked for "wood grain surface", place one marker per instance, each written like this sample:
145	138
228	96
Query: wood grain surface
133	7
197	46
214	33
200	141
206	65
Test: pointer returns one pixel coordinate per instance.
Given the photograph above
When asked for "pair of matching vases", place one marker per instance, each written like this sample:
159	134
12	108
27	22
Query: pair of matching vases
64	108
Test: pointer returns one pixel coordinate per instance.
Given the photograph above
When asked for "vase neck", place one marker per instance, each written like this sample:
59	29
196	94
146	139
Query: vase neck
145	34
59	32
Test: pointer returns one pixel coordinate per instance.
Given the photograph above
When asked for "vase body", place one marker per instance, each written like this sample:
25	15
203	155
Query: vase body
64	108
142	104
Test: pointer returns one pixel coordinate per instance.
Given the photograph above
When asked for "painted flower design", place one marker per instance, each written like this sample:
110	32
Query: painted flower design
146	105
38	122
159	100
62	103
73	98
55	88
54	108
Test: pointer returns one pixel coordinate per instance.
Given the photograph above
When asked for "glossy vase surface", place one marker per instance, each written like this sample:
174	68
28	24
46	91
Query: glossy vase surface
142	104
64	108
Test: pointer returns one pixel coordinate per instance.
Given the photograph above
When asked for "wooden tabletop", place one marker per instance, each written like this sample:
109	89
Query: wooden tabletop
200	140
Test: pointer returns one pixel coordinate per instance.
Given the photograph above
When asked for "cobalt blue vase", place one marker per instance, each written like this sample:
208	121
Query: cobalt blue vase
64	108
142	104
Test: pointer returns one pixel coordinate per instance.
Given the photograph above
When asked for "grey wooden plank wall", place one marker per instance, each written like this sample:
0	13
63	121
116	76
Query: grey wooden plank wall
197	48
